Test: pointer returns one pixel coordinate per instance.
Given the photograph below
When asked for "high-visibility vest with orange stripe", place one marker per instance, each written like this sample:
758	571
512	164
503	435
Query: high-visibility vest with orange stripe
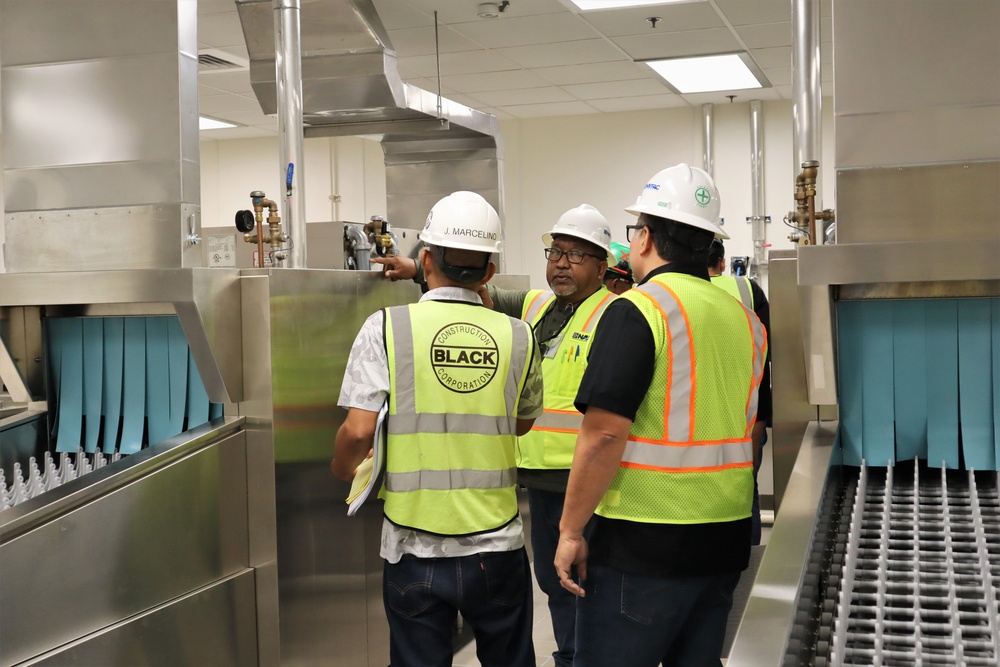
456	373
550	443
738	286
688	458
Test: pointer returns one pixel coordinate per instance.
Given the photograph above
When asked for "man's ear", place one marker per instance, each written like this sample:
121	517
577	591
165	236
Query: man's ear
490	272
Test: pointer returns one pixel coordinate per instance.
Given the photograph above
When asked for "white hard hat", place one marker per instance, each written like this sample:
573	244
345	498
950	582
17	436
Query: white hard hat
463	220
684	194
584	222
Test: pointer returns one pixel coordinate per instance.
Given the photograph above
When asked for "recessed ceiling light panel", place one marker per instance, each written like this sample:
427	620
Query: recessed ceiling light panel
212	124
706	73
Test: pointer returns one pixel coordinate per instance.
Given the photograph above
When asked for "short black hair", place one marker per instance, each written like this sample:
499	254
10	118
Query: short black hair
678	243
716	253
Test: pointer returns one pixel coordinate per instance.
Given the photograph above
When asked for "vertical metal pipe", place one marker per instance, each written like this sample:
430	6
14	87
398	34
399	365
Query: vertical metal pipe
708	139
807	93
757	229
288	77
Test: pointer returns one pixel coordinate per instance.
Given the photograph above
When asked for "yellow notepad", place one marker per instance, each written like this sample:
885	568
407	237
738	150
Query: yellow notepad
367	474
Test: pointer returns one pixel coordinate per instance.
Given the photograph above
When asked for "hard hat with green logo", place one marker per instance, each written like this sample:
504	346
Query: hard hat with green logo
684	194
621	266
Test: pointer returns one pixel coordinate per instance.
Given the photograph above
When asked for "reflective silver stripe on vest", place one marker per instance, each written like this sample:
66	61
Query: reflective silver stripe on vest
759	340
565	421
596	316
746	296
537	305
402	333
686	457
449	480
680	380
434	422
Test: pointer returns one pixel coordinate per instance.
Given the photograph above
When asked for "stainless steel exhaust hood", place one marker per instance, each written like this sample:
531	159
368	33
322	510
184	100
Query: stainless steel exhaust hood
350	86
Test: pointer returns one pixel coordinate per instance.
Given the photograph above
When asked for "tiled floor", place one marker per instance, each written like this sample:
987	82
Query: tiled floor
542	634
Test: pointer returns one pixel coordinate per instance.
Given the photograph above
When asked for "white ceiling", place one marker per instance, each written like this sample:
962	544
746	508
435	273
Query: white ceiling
540	58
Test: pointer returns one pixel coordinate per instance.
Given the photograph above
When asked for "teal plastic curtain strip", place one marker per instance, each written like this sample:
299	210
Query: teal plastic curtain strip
920	378
131	378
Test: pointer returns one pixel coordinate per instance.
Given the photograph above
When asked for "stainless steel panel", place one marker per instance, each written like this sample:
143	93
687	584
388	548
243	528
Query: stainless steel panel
212	626
917	106
920	203
912	261
120	541
792	411
818	328
101	137
770	611
927	290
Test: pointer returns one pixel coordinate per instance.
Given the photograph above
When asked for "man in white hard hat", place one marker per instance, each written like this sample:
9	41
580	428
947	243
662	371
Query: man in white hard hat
462	382
578	249
664	452
752	296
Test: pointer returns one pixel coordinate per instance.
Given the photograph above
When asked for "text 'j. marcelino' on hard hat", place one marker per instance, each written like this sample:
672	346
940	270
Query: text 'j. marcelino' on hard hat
583	222
463	220
684	194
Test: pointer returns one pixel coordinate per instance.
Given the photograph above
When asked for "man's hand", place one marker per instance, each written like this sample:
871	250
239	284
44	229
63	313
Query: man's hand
484	294
572	550
398	267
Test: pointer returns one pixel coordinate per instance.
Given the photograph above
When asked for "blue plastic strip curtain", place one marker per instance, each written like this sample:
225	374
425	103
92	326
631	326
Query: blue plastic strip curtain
942	383
93	384
134	385
996	376
877	399
920	378
975	383
137	373
850	323
909	359
114	344
66	334
197	404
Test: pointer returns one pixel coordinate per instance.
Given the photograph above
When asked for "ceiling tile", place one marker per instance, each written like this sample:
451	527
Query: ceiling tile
675	44
470	62
638	103
673	18
216	104
507	98
773	58
221	30
453	12
236	81
698	99
766	35
554	109
608	89
593	72
420	41
396	15
522	31
563	53
747	12
509	80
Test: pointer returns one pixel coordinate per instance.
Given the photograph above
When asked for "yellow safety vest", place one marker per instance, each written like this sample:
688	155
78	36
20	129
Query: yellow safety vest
456	372
688	458
551	442
738	286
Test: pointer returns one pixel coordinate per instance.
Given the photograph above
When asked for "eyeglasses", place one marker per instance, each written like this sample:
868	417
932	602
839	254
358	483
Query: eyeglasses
574	256
631	228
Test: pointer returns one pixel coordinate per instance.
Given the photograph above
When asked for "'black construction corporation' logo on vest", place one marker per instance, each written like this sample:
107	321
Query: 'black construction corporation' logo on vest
464	357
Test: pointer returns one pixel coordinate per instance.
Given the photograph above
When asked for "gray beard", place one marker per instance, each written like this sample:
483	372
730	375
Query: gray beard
566	291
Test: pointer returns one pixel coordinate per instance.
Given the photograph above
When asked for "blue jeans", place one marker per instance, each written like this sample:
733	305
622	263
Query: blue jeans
492	590
627	619
545	509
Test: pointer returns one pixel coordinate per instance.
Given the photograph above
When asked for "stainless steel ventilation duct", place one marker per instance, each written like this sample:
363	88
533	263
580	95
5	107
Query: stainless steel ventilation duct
350	86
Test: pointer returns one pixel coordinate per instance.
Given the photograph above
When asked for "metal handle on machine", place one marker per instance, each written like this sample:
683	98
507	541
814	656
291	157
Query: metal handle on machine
193	238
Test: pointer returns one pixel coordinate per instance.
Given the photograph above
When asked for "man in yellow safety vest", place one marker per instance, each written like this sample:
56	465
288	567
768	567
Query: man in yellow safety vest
462	382
664	454
752	296
563	318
